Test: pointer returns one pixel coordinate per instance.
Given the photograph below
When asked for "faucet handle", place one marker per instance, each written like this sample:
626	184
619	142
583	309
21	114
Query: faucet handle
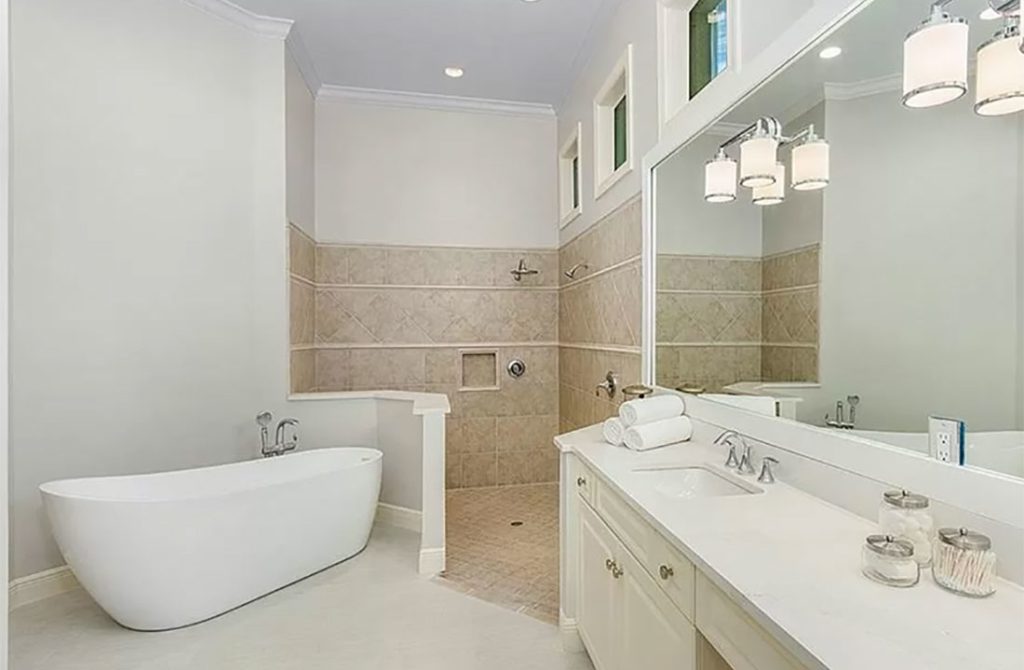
732	461
767	475
746	467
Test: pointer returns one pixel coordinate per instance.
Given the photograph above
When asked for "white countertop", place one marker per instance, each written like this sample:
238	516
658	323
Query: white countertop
792	561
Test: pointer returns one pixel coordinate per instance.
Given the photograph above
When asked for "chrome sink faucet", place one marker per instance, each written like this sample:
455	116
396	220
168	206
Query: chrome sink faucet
280	445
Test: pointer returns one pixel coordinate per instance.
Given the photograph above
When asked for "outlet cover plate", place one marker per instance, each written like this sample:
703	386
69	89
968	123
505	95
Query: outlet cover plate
946	439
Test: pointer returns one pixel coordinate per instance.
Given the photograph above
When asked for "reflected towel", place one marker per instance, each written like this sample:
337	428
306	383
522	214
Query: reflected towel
659	433
647	410
613	431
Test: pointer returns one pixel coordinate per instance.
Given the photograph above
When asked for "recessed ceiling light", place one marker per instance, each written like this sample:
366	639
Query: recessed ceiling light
989	15
529	0
829	53
454	72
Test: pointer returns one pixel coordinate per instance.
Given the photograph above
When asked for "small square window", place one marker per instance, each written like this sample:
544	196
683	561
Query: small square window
613	126
709	43
569	196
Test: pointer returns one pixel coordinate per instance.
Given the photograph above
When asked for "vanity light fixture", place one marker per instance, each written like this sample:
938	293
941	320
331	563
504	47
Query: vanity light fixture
1000	82
720	178
935	59
759	167
758	154
454	72
810	161
774	194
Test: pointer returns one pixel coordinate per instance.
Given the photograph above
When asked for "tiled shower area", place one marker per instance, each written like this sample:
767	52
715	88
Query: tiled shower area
451	320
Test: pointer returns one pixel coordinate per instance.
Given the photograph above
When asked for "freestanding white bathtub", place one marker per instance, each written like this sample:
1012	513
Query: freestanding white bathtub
167	550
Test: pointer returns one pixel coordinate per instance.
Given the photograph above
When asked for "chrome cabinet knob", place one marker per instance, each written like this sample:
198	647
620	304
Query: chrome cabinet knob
666	571
609	564
617	571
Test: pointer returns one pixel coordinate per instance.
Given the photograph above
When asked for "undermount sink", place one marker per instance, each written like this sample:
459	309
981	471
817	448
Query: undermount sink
692	482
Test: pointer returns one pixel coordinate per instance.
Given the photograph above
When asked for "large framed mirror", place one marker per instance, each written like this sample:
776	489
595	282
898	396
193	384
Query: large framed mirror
888	304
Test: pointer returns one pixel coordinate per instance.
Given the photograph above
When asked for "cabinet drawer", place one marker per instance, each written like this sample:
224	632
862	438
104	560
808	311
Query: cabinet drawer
585	482
673	573
629	526
741	642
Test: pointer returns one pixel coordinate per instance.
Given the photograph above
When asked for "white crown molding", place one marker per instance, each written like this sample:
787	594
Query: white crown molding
265	26
371	96
862	89
297	48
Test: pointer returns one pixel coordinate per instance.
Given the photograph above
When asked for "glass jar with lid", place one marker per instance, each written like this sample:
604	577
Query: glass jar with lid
890	560
964	562
905	514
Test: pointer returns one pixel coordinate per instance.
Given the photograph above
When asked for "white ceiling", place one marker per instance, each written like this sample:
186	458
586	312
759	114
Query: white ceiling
510	49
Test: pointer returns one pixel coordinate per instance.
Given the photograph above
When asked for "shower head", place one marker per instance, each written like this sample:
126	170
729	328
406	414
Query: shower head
571	272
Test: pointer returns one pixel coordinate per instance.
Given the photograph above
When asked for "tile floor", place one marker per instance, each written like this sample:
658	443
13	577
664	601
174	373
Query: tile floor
372	612
515	566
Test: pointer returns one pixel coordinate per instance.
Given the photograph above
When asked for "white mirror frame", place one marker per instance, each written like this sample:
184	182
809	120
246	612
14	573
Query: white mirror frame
994	495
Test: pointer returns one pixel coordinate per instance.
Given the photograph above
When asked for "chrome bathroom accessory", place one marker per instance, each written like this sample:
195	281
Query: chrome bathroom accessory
840	421
571	272
640	391
280	446
516	368
522	271
746	466
767	475
610	385
727	437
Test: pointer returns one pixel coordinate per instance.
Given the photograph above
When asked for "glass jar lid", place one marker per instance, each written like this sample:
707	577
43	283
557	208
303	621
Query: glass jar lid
887	545
905	499
962	538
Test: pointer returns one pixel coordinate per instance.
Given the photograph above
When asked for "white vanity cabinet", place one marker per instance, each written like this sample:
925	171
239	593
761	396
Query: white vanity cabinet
625	619
640	604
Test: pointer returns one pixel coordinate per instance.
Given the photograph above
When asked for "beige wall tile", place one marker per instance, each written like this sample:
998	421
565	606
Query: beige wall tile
479	470
301	312
303	371
333	370
301	253
526	433
331	264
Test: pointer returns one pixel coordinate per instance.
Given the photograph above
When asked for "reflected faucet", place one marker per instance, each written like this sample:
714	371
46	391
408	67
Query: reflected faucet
840	421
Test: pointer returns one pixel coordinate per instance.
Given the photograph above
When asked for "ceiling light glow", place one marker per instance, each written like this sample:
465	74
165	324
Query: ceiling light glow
454	72
829	53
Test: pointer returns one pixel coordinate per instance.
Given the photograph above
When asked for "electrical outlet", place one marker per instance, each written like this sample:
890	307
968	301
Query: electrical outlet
946	439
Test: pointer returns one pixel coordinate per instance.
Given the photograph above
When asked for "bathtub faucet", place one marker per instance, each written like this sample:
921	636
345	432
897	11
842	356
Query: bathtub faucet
280	446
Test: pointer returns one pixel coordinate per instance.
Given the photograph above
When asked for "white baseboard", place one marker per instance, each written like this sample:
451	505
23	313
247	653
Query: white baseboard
570	634
432	561
41	585
399	517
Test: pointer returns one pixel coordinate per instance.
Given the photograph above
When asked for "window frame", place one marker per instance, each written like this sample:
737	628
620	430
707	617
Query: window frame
617	85
674	55
570	189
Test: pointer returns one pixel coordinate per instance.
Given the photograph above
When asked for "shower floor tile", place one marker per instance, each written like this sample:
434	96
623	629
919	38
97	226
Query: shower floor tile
502	547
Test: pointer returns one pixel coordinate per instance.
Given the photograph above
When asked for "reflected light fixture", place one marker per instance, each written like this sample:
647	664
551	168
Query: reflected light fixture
774	194
810	162
454	72
759	167
720	178
935	59
758	155
1000	80
828	53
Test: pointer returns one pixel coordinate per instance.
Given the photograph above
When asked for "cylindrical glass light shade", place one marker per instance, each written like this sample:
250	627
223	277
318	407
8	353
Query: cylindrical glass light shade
935	61
720	179
810	165
1001	73
774	194
758	157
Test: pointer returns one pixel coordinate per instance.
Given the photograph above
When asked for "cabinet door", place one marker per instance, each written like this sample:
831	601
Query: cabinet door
655	635
596	604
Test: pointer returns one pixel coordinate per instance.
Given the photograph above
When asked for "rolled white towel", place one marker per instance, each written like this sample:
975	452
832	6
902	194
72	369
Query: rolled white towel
613	431
659	433
647	410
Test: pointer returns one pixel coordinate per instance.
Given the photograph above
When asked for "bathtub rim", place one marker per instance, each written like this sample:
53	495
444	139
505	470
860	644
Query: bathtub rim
45	489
